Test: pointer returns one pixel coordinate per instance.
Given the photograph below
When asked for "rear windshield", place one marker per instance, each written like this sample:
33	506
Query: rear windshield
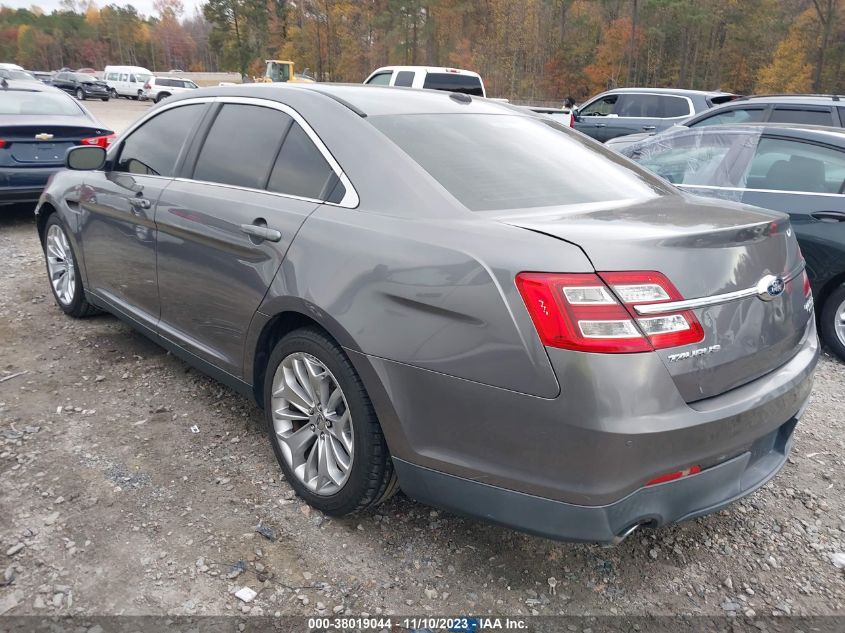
454	82
32	102
493	162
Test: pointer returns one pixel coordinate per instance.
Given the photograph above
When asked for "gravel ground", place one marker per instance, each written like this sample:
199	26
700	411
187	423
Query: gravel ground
111	504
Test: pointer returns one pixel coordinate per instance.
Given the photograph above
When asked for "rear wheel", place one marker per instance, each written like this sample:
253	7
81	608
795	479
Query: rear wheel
80	94
324	430
63	271
833	321
161	95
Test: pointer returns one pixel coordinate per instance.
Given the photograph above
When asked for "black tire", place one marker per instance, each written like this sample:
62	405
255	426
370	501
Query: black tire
161	95
832	311
80	94
104	98
371	477
77	307
113	93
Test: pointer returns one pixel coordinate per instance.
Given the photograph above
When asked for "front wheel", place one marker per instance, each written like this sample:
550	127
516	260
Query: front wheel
80	94
63	271
833	321
323	428
113	93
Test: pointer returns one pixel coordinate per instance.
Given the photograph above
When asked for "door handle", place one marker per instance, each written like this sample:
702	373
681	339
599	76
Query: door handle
140	203
261	232
829	216
601	124
648	128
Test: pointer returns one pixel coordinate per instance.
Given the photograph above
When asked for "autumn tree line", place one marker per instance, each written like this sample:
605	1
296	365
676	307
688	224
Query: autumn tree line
524	49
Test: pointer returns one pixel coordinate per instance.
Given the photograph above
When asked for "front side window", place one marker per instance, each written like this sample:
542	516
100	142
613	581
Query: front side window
651	106
788	165
495	161
381	79
600	107
300	168
737	115
154	147
802	116
241	146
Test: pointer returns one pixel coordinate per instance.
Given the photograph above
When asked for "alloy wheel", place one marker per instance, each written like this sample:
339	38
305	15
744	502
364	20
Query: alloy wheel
839	322
60	265
313	424
79	94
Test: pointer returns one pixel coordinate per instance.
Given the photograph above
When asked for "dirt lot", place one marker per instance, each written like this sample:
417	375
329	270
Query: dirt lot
110	504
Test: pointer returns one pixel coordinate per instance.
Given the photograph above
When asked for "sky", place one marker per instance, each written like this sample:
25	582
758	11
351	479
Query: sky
144	7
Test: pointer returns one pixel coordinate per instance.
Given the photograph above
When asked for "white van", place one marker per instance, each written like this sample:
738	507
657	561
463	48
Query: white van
433	77
126	81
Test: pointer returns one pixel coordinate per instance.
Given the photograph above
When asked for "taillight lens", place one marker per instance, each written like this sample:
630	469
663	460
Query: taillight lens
595	313
100	141
2	143
146	86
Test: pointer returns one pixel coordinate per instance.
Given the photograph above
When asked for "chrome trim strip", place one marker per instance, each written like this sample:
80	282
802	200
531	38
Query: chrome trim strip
350	199
703	302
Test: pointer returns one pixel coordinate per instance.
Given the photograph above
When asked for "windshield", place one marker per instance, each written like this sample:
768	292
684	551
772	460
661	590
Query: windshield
31	102
7	73
491	162
84	77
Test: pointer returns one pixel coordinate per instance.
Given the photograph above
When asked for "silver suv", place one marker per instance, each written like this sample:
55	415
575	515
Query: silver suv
158	88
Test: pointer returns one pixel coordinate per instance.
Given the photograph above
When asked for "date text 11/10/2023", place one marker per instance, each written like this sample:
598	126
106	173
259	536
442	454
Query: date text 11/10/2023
428	624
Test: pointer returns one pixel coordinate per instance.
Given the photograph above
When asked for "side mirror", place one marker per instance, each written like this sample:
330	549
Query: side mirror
85	158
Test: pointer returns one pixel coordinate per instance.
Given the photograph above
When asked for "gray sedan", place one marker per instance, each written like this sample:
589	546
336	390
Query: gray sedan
433	292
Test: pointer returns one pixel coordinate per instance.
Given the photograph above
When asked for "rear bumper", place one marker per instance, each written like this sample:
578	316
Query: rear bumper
23	184
575	467
652	506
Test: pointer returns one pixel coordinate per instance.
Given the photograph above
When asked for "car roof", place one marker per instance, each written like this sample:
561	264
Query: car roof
682	92
429	69
364	100
812	99
819	133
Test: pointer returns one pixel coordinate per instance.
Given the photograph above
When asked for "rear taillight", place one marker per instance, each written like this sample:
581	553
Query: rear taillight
2	143
595	313
806	280
100	141
571	120
146	86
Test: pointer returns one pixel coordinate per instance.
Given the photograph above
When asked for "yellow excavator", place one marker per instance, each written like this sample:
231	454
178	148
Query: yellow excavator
279	70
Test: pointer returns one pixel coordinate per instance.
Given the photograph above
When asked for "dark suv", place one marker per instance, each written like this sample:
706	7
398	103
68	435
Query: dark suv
633	110
824	110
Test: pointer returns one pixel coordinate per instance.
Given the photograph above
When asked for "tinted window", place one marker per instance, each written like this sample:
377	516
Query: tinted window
787	165
512	162
454	82
154	147
600	107
241	145
382	79
404	78
300	169
652	106
124	77
738	115
809	117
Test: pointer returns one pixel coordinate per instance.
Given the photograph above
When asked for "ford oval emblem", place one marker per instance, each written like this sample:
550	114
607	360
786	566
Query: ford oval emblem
770	287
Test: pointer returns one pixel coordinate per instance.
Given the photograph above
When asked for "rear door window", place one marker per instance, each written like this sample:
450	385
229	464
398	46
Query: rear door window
652	106
789	165
806	116
735	115
154	147
381	79
300	169
241	146
404	78
454	82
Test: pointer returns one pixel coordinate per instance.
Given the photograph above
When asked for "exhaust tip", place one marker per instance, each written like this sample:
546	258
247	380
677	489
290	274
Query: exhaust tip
628	531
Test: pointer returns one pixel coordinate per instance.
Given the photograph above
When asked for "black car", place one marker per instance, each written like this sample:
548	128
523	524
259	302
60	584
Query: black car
633	110
82	86
799	170
826	110
39	123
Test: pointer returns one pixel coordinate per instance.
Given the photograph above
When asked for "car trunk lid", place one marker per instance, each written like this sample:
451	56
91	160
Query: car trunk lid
42	145
706	249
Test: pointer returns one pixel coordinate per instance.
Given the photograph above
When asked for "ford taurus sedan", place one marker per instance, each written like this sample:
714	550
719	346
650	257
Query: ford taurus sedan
433	292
